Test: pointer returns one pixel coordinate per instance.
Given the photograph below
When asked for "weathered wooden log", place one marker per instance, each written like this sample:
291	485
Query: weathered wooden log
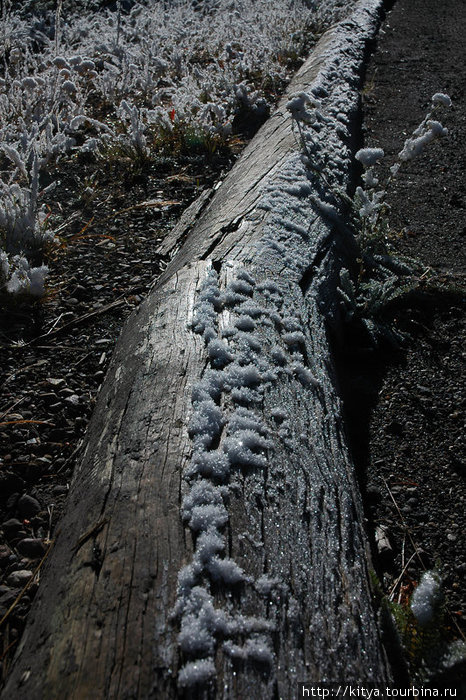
213	541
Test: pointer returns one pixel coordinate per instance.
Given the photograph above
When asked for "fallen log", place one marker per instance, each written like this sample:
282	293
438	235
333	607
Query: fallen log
212	542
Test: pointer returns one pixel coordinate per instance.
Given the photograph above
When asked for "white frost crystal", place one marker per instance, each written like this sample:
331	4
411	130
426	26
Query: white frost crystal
427	131
441	98
297	106
24	278
369	156
426	597
196	672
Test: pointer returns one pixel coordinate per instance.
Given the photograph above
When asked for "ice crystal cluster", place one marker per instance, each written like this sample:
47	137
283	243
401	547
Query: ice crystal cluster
372	201
428	130
229	437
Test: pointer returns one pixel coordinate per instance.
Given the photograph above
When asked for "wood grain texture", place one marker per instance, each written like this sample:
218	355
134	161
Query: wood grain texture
107	592
102	625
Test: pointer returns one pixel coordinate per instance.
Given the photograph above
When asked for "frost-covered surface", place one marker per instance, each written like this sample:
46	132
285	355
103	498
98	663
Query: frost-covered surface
426	598
230	439
199	60
265	425
369	156
92	80
235	371
383	276
372	201
428	130
268	493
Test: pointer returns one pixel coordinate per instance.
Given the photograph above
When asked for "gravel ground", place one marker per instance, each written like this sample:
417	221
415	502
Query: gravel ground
410	444
405	407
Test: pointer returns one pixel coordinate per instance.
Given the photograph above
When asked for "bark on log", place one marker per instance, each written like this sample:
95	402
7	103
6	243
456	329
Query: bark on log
221	392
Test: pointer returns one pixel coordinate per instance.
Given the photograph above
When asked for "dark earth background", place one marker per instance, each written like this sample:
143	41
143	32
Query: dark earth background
410	447
404	406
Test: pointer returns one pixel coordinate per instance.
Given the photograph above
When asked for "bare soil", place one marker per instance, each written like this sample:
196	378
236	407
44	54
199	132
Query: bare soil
406	406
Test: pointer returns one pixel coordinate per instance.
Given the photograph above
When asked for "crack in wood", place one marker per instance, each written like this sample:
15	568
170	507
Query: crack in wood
231	227
310	273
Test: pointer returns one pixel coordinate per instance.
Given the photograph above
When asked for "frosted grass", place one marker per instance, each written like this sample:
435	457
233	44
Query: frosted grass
84	81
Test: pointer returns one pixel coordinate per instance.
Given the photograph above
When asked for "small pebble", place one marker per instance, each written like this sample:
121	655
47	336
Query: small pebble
7	597
11	527
28	506
31	547
5	553
20	578
55	382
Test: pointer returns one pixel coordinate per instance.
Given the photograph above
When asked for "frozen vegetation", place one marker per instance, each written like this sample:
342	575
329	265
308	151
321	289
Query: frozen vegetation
99	80
383	276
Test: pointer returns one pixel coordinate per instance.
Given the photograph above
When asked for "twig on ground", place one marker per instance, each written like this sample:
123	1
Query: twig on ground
145	205
50	513
26	587
66	223
13	405
20	371
10	645
159	203
71	457
398	580
22	422
405	525
83	359
76	321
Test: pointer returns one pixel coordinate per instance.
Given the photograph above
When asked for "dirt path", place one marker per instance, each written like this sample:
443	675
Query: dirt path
413	454
421	51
